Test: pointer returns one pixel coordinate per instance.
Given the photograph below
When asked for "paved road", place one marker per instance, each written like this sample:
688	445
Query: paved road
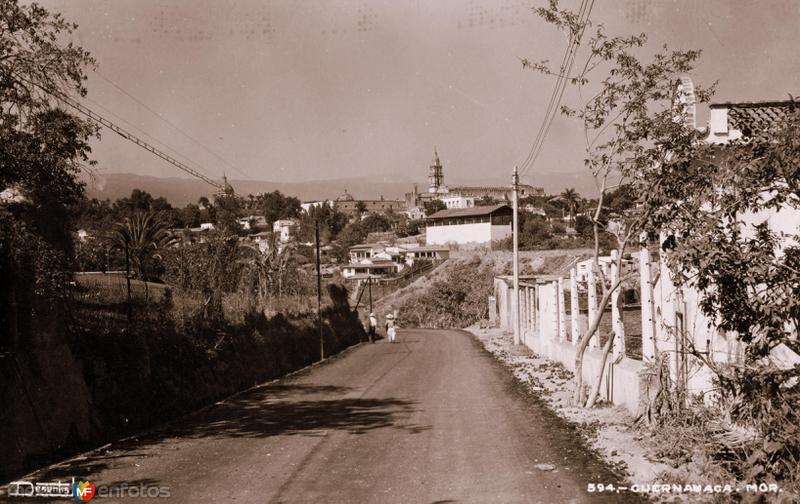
431	419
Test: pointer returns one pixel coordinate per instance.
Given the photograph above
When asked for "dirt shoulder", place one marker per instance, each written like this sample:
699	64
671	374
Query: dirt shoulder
608	429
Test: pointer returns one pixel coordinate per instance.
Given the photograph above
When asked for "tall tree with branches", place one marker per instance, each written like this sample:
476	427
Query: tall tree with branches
631	113
42	150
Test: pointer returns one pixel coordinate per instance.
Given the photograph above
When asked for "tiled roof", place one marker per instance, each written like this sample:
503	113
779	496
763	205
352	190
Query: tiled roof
468	212
753	117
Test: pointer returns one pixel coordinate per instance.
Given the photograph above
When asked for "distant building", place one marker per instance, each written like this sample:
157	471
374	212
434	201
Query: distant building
346	203
253	222
415	213
500	193
426	253
458	201
469	226
533	209
262	240
365	251
458	196
284	229
374	267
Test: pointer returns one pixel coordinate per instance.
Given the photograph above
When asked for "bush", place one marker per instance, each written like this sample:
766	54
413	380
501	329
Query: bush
458	300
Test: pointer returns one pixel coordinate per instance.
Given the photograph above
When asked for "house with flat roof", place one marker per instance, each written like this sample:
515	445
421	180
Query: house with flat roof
479	225
371	267
426	253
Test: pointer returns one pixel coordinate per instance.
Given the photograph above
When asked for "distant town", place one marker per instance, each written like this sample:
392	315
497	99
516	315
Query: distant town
363	239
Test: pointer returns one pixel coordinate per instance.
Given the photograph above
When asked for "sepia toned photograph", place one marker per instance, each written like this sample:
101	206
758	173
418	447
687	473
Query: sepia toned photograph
400	251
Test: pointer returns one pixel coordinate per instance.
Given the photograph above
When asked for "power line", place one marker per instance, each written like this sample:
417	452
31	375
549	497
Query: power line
151	137
558	90
559	78
170	123
561	83
98	119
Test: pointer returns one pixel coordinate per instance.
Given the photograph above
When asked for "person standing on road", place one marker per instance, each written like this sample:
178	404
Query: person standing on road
391	330
373	327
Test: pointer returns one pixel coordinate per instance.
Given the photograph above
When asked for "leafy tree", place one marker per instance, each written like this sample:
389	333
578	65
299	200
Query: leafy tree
487	201
433	206
42	148
361	207
332	222
275	206
712	204
631	133
374	223
534	231
190	215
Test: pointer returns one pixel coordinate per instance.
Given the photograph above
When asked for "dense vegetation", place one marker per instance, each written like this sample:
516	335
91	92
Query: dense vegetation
458	299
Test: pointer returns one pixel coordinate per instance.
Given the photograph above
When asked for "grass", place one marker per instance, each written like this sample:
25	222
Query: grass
110	289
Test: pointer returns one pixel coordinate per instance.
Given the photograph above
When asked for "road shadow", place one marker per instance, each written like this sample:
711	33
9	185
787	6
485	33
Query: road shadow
272	410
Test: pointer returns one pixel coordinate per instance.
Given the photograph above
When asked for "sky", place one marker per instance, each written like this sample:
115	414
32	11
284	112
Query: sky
302	90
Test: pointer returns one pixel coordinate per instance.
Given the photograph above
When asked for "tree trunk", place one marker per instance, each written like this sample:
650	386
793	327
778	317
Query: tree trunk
596	389
578	395
128	278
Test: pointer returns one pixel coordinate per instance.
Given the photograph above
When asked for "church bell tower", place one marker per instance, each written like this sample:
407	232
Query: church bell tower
436	175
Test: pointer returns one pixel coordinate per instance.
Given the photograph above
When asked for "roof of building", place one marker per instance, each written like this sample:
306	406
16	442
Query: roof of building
371	264
428	248
751	117
468	212
366	246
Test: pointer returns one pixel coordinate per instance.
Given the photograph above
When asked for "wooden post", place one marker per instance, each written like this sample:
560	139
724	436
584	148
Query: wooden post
538	307
522	314
562	312
575	312
532	308
646	298
554	311
319	295
616	317
592	289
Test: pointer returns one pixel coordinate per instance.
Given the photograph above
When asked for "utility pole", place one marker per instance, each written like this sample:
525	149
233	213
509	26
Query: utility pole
515	296
369	284
319	295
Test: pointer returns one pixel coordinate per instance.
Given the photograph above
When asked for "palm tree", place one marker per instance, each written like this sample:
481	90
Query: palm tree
571	199
141	237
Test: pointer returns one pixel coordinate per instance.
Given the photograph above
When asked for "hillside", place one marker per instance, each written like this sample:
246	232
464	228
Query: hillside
455	294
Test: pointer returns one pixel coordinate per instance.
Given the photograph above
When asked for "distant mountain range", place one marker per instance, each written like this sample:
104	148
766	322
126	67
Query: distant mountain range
181	191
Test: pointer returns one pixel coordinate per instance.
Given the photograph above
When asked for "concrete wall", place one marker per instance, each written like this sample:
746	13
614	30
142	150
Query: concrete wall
464	234
546	329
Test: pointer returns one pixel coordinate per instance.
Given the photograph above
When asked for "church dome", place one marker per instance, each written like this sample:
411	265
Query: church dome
345	197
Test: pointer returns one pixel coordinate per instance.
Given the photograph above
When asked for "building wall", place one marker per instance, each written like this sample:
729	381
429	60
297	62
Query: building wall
501	232
376	206
496	192
481	233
